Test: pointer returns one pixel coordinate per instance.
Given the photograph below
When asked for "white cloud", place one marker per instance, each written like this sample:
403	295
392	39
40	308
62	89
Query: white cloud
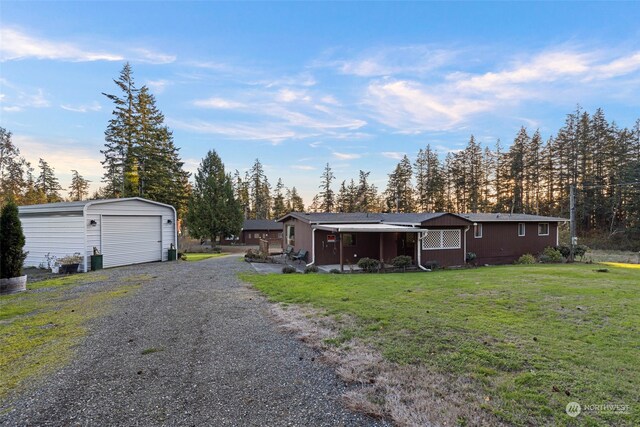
346	156
303	167
244	131
618	67
218	103
18	45
395	155
12	109
158	86
94	106
289	95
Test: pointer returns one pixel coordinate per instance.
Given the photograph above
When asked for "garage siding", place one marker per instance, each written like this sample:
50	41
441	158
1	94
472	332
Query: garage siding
58	235
98	211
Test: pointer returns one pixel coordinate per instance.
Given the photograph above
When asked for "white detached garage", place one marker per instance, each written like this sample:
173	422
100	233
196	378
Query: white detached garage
125	231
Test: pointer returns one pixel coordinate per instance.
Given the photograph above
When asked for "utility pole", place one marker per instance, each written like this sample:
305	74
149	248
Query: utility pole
572	219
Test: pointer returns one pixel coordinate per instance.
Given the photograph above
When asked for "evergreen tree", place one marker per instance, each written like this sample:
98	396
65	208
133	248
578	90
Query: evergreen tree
213	210
294	201
79	186
279	205
48	183
347	199
11	241
366	194
326	197
399	193
260	192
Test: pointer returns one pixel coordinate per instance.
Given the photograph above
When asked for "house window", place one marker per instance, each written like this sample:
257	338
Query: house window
477	231
543	229
291	235
349	239
521	229
441	239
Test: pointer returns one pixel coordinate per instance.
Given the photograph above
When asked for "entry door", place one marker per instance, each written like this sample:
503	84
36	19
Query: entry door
131	239
407	244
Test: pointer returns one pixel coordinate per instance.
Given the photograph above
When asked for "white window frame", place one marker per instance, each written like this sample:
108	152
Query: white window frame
441	247
543	234
291	241
524	229
476	228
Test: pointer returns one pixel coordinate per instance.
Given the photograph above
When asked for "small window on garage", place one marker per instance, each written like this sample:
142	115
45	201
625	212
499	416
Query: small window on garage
543	229
521	229
349	239
477	231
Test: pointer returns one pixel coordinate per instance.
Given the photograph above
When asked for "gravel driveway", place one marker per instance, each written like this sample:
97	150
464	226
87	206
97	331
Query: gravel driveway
220	361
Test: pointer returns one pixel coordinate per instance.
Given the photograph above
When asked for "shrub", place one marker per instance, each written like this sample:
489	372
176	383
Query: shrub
254	255
526	259
551	255
335	271
311	269
288	270
11	242
401	261
370	265
579	250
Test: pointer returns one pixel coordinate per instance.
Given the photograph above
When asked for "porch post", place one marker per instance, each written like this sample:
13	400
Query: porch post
341	260
381	251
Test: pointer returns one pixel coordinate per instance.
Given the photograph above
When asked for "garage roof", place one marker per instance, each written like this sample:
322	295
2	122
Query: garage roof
66	207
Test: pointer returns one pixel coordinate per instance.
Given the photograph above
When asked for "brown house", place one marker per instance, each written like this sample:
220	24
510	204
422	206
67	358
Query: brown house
444	239
255	229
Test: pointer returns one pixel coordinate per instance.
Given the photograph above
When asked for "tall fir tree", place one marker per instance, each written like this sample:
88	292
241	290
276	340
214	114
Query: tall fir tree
48	183
79	187
326	197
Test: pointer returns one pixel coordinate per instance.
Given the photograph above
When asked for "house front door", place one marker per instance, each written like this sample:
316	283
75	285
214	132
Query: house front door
407	244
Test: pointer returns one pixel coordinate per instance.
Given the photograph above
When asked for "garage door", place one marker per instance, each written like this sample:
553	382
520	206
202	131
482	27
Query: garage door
131	240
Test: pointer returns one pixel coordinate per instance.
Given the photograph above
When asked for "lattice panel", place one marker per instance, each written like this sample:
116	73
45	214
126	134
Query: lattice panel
432	240
450	238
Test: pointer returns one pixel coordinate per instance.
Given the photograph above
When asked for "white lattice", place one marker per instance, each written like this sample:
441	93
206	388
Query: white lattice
432	240
451	239
441	239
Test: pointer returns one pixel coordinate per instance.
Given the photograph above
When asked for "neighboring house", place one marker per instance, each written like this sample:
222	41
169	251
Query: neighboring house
125	231
255	229
428	238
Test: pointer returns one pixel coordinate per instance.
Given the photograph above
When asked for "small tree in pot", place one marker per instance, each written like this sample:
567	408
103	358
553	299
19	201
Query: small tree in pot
11	254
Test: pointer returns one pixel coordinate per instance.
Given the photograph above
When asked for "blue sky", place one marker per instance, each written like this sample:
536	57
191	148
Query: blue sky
300	84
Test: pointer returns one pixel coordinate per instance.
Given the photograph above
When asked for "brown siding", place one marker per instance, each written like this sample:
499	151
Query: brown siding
248	237
302	236
445	257
446	220
500	243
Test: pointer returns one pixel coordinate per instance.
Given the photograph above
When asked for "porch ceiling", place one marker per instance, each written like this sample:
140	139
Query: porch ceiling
367	228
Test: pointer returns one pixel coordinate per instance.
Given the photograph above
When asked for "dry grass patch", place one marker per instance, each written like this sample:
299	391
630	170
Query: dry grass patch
408	395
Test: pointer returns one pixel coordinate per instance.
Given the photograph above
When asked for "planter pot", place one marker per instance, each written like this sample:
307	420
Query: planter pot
55	269
69	268
13	285
171	254
96	262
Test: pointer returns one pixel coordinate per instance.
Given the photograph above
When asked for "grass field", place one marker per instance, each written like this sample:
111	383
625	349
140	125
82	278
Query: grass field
201	256
39	327
529	338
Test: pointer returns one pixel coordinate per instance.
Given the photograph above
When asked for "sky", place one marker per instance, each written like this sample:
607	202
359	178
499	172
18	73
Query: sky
301	84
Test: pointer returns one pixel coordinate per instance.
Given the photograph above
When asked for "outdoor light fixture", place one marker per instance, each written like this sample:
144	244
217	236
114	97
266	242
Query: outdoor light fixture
169	221
93	223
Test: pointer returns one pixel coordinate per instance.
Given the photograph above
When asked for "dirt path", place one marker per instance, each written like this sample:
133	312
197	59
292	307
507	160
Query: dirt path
193	346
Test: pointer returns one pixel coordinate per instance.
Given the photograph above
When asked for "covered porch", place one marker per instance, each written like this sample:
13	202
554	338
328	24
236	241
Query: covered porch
340	246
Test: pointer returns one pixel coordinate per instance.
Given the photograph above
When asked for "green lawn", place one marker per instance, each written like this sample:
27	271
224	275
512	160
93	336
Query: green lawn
39	327
201	256
534	338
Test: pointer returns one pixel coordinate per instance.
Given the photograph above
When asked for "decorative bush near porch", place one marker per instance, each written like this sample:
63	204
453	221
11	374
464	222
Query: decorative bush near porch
529	339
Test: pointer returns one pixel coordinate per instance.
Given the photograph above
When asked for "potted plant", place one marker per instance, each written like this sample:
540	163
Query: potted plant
69	264
11	254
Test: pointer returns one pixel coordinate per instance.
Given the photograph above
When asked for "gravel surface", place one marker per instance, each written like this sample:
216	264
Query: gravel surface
193	346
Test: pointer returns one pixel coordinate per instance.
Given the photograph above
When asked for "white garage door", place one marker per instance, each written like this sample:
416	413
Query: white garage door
131	239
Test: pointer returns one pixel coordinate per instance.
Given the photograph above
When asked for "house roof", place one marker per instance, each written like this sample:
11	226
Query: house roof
261	224
502	217
409	218
66	207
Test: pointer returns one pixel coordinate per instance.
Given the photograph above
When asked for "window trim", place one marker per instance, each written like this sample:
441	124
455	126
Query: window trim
441	247
476	228
543	234
289	236
524	229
